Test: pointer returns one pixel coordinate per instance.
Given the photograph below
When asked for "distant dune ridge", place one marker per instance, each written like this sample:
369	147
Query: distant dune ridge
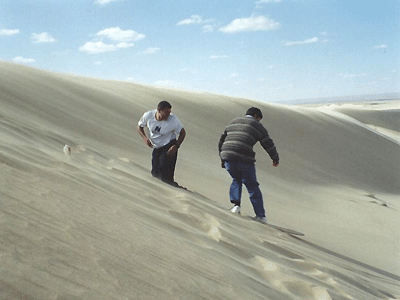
94	224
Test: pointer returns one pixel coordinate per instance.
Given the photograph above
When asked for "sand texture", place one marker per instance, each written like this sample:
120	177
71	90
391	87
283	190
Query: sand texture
92	223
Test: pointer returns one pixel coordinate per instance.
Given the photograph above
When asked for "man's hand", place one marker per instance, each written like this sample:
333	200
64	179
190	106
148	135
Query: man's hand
144	137
148	142
172	150
275	164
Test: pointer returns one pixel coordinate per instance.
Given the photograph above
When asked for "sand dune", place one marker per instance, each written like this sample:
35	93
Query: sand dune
96	225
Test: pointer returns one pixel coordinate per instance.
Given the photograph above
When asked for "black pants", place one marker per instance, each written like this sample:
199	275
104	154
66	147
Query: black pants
163	165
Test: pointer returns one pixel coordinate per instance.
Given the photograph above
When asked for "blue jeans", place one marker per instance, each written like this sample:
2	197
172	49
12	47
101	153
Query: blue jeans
244	173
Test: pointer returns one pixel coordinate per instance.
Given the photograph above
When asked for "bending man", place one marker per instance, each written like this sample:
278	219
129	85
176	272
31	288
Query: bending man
238	158
163	128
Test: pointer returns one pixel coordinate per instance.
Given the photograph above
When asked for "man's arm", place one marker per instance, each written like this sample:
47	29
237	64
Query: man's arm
268	145
178	143
144	137
181	137
221	141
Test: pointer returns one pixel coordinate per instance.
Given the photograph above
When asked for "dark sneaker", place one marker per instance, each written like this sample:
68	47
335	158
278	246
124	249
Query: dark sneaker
260	219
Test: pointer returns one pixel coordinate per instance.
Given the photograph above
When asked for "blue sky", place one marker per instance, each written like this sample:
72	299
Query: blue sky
266	50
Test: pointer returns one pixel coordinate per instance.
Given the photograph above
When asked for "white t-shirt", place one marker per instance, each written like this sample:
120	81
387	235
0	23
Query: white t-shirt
161	132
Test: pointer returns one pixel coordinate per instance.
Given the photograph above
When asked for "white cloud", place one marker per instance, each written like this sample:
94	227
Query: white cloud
383	46
151	50
103	2
100	47
119	38
124	45
9	32
260	23
347	76
194	19
22	60
219	56
43	37
308	41
119	35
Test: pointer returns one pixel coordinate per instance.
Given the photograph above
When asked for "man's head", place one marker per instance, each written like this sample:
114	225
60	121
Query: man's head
163	104
164	109
255	113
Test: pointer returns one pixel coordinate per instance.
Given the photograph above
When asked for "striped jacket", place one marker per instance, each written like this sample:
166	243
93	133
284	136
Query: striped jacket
237	141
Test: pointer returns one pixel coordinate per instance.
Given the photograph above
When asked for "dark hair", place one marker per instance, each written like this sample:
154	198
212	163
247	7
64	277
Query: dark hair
254	111
164	104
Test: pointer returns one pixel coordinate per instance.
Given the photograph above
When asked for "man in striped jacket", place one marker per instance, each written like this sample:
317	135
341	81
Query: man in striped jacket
238	158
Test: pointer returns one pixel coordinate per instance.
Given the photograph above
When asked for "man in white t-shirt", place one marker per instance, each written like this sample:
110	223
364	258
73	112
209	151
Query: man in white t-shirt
163	127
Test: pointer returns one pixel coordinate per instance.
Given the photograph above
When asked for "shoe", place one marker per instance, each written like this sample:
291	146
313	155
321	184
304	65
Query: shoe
235	209
175	184
260	219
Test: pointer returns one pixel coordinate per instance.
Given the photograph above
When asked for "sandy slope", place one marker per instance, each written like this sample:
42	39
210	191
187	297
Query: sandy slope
97	226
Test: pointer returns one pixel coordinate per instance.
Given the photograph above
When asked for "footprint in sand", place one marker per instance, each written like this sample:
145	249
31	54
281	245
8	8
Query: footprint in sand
186	213
320	293
376	200
213	232
270	271
300	263
283	252
78	149
207	224
111	164
288	282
